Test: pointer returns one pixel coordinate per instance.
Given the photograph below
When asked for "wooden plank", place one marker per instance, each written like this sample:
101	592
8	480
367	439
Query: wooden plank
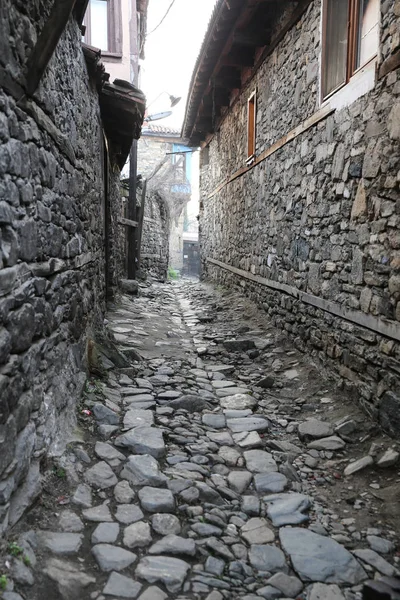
47	42
389	65
127	222
318	116
390	329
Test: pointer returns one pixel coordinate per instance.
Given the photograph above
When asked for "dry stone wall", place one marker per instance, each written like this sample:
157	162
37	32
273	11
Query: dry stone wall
51	248
319	218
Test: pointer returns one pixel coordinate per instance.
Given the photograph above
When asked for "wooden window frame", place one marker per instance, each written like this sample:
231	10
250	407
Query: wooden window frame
114	28
352	46
251	126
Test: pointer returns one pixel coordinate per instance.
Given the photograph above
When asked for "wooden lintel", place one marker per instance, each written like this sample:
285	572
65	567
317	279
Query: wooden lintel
127	222
238	59
390	64
47	42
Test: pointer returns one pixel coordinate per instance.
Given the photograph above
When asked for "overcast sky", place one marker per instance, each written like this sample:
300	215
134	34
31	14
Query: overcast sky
171	52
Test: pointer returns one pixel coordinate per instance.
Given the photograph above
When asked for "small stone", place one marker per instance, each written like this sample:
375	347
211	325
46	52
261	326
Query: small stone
123	493
270	482
255	531
216	421
21	573
247	424
248	440
239	481
112	558
101	476
153	593
59	543
320	591
287	509
128	513
330	443
250	505
388	459
289	586
143	470
107	452
98	514
121	586
165	524
82	496
238	402
137	535
267	558
206	530
68	577
372	558
214	565
259	461
169	571
105	415
138	418
173	544
105	533
220	548
156	500
143	440
70	522
314	429
358	465
380	545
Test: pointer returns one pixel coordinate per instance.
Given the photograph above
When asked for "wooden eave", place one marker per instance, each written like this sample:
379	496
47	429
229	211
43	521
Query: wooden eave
240	36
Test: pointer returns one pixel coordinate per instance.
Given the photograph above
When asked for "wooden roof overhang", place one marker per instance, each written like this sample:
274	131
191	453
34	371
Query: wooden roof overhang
240	36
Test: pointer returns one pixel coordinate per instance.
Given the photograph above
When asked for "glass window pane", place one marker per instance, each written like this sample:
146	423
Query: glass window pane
335	45
368	30
99	24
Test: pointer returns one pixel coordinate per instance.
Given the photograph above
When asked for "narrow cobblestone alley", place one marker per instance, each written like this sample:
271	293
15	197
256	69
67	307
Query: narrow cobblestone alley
222	464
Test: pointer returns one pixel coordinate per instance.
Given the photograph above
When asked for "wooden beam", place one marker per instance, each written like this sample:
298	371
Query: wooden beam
127	222
47	42
390	64
239	58
251	39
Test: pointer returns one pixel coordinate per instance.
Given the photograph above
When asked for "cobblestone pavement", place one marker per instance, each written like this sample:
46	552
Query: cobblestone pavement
221	465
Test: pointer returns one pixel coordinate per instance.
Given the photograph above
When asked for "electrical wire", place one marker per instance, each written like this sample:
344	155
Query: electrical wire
162	20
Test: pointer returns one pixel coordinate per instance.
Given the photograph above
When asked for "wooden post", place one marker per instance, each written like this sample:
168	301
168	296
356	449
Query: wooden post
47	42
139	230
132	211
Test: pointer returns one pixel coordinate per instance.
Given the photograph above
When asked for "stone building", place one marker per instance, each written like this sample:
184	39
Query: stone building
65	133
165	164
296	108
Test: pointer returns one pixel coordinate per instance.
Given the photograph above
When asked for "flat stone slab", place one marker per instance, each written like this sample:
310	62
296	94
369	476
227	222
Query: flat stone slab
70	579
238	402
330	443
232	391
143	440
105	533
156	500
101	476
372	558
321	591
137	417
143	469
247	440
256	531
287	509
223	383
121	586
112	558
174	544
358	465
98	514
319	558
248	424
270	483
217	421
59	543
137	535
315	429
108	452
267	558
239	481
289	586
128	513
259	461
169	571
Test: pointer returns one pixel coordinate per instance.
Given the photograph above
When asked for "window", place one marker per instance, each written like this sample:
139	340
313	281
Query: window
350	40
104	26
251	127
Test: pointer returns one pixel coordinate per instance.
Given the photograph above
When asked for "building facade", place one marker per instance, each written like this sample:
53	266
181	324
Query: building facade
65	133
296	107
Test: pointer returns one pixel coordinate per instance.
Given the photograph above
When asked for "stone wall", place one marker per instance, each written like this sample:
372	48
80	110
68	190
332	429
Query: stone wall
155	237
52	273
312	232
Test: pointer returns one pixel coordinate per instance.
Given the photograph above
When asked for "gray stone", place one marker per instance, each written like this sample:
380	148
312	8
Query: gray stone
129	286
238	402
70	522
121	586
289	586
153	593
219	548
389	413
143	470
287	509
239	345
174	544
330	443
143	440
239	481
138	418
156	500
320	591
21	573
372	558
380	544
215	566
232	391
105	415
217	421
258	461
137	535
82	496
26	494
358	465
268	592
169	571
247	424
206	530
108	452
59	543
208	494
101	476
165	524
71	581
251	505
267	558
248	440
256	531
123	493
388	459
229	455
189	402
314	429
98	514
270	482
112	558
105	533
319	558
128	513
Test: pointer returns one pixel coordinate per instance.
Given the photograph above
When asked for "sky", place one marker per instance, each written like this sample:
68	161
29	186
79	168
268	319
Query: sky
171	52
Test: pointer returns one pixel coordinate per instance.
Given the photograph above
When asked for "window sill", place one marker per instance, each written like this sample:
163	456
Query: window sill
362	82
111	54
